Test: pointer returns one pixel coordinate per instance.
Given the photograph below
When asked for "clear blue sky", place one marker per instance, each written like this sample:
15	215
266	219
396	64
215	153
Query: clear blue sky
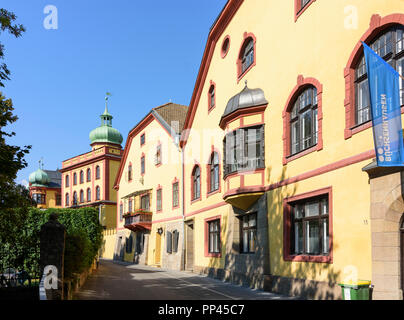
143	52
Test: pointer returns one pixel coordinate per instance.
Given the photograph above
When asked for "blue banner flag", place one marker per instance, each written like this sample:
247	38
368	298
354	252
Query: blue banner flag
386	110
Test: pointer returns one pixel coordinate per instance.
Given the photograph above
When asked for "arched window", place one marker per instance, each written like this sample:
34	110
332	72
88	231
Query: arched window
304	121
74	178
75	198
214	172
81	196
88	175
67	181
196	183
390	46
81	176
88	195
212	96
97	172
67	200
97	193
247	55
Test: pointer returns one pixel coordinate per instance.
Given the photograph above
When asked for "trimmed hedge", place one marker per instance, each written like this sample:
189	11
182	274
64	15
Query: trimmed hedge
19	238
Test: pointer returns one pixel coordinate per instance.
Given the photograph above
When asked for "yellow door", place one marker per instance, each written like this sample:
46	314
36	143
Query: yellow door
158	249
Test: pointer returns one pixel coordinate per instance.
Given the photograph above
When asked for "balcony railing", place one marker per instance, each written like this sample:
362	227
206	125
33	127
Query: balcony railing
139	220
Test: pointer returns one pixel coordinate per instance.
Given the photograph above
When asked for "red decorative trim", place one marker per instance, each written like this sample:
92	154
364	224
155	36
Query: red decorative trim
216	31
287	256
302	84
208	176
324	169
192	183
246	37
206	242
212	85
223	53
377	25
299	10
240	113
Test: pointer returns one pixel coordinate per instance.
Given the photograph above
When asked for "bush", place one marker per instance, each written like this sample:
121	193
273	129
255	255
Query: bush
19	238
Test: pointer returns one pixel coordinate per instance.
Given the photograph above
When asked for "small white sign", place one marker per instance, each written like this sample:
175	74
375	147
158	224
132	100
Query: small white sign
347	293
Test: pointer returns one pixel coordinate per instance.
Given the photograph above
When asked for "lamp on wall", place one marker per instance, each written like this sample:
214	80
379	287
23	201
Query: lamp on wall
160	231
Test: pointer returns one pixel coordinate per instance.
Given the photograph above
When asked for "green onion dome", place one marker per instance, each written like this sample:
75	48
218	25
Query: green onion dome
39	178
105	133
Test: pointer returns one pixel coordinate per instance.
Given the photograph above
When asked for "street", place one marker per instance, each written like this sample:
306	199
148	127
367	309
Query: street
113	281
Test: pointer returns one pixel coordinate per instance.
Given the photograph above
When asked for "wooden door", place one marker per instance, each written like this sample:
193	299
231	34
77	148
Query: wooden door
189	262
157	254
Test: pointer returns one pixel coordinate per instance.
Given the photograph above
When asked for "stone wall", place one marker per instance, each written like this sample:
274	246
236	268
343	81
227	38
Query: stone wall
173	260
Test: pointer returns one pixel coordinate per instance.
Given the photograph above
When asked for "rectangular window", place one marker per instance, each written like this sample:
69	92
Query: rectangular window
145	202
58	200
362	102
130	206
120	212
158	155
248	234
244	150
142	139
142	165
214	236
310	227
159	198
175	195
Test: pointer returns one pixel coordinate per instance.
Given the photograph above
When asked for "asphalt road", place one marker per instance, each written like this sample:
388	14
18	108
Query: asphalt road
113	281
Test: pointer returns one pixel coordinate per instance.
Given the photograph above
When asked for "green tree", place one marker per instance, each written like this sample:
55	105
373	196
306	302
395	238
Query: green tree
11	157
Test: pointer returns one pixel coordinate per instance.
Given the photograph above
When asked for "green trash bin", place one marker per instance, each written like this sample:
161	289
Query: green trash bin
359	290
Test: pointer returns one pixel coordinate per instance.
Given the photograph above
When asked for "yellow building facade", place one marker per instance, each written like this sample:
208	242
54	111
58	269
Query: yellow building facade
281	101
87	179
149	187
45	188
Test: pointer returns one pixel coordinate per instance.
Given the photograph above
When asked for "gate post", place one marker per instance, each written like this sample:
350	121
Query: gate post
52	246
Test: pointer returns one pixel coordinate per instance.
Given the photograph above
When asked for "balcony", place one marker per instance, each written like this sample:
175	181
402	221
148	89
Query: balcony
139	221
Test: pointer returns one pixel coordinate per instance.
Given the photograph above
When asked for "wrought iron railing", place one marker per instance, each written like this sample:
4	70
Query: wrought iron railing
138	217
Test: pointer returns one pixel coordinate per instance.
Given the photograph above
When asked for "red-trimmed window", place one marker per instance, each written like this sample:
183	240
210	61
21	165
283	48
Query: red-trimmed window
130	206
225	47
88	175
390	46
212	237
97	172
212	96
81	196
214	173
303	120
88	195
58	198
81	176
97	193
196	183
142	165
145	202
75	178
159	199
176	200
121	212
301	6
67	182
247	56
67	200
308	227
